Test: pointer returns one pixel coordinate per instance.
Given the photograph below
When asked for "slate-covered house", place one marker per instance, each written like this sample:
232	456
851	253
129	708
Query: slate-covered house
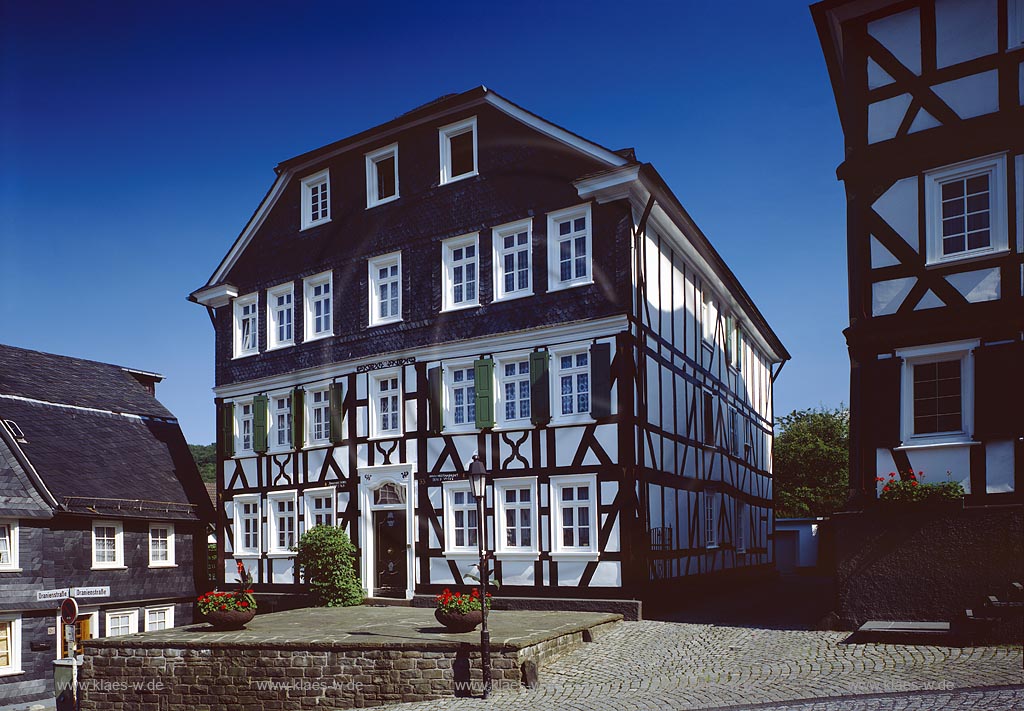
97	490
470	277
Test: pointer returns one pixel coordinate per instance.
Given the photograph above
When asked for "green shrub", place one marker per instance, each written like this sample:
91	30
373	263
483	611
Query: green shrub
326	560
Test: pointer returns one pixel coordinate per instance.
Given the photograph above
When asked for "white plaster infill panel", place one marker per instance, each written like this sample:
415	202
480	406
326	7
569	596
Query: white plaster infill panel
965	30
999	467
877	76
922	122
898	207
981	285
885	117
901	35
929	301
880	256
970	96
888	296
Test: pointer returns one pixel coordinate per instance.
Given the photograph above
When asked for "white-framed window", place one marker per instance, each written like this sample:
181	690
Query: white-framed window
159	618
247	322
318	420
512	402
385	289
570	248
382	175
122	622
513	260
574	522
161	545
247	525
460	273
318	298
965	207
107	544
458	150
316	199
280	316
735	432
710	519
707	317
9	544
460	395
281	421
386	405
321	507
938	393
461	524
243	426
516	517
1015	12
10	644
571	384
740	536
283	522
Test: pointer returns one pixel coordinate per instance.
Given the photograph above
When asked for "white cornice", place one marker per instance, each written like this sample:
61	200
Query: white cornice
216	296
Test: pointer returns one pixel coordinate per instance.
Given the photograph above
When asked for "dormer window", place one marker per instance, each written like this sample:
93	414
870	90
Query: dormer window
246	325
316	199
458	150
382	175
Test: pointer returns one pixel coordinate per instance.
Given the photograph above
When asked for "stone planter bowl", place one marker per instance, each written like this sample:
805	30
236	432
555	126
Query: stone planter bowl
459	621
229	619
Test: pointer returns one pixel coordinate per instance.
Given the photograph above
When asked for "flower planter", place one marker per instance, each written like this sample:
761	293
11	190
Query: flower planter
459	621
229	619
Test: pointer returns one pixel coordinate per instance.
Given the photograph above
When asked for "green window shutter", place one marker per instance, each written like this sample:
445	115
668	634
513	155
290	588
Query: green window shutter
298	418
337	401
540	400
259	424
880	384
483	386
600	380
999	391
435	401
227	429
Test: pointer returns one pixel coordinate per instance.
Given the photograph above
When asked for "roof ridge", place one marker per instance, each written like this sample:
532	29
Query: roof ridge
78	359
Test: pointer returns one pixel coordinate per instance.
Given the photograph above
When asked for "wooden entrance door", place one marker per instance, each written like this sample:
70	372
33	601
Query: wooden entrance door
390	545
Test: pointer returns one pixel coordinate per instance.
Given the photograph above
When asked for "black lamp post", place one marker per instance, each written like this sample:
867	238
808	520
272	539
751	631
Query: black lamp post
478	485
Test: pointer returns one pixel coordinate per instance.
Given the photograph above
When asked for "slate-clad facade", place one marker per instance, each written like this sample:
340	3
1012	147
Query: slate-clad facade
97	489
931	102
514	290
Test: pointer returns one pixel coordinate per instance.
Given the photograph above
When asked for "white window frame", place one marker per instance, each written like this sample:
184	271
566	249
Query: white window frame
15	641
273	429
241	419
169	563
133	621
309	514
555	282
498	235
311	407
708	317
741	533
710	519
372	160
499	394
273	325
735	432
448	248
995	167
309	284
445	134
921	355
448	371
322	177
502	549
240	303
376	378
237	549
558	550
118	562
14	563
274	550
555	373
168	611
374	265
449	489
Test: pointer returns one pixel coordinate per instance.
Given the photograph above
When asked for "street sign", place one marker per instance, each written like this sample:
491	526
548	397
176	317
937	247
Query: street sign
61	593
52	595
95	591
69	611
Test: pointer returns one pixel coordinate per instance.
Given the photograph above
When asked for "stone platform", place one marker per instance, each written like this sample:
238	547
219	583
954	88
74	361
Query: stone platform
324	657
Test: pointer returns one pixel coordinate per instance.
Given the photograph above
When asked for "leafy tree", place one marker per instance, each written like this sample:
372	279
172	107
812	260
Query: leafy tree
811	462
326	558
206	459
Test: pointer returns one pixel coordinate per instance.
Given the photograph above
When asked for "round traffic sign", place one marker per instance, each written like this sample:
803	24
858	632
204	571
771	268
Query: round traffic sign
69	611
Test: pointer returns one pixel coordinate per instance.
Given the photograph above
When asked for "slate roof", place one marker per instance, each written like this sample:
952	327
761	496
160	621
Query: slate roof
18	495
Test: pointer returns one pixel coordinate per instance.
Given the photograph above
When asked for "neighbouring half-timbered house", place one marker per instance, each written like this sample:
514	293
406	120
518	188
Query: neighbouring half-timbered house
98	492
472	278
930	99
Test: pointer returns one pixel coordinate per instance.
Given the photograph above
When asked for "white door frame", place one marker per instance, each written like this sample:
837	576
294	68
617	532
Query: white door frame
370	479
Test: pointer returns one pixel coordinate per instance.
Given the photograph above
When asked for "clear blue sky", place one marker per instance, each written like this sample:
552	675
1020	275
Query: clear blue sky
137	138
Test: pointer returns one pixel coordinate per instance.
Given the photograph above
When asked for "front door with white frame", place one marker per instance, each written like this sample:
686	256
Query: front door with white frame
386	530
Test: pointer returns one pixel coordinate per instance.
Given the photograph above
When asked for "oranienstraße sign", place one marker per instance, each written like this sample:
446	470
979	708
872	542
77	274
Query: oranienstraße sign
61	593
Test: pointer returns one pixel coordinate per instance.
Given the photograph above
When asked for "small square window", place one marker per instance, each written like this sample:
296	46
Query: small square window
569	248
246	326
382	175
316	199
937	399
460	277
320	507
107	545
159	618
318	298
280	316
122	622
458	150
965	206
385	274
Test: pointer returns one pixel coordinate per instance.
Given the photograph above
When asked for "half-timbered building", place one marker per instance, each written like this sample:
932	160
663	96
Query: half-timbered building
470	277
930	99
99	497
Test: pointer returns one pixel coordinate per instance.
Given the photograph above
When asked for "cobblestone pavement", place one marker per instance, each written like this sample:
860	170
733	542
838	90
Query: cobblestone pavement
664	665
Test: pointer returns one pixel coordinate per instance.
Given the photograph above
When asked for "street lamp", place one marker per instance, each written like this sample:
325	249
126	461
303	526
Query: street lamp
478	485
